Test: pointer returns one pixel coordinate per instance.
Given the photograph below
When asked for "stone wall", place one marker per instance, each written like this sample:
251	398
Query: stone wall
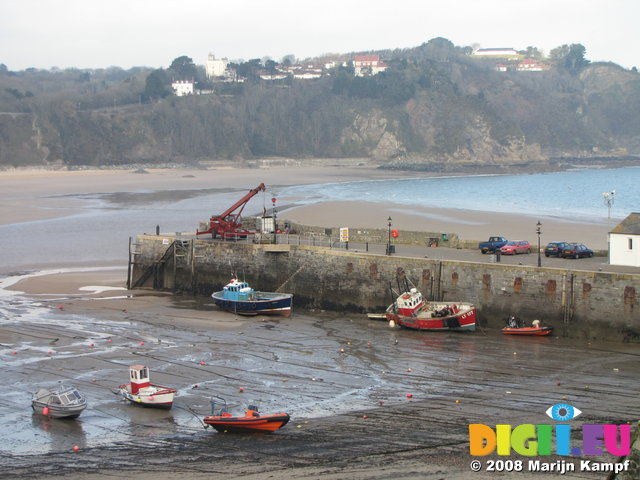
579	304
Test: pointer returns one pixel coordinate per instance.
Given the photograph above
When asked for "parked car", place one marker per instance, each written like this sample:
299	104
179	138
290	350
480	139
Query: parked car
554	249
492	245
520	246
576	250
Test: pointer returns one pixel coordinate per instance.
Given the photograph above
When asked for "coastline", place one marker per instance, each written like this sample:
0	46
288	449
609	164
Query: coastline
34	195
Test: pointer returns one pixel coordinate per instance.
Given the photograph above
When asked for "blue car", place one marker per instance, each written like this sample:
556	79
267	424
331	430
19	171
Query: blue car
576	250
554	249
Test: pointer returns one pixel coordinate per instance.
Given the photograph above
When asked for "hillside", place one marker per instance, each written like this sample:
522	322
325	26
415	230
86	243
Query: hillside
435	107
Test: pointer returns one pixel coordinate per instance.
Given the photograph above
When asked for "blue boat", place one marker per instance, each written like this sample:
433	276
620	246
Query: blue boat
238	297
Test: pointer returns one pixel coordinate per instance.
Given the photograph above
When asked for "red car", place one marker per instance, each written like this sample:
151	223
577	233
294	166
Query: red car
511	248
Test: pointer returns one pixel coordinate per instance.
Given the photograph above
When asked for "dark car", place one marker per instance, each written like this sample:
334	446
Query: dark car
554	249
576	250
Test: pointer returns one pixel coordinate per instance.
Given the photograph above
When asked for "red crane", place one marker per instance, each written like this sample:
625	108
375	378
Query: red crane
227	224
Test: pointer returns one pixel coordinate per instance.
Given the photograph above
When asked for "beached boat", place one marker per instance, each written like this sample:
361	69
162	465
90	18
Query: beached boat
251	421
238	297
62	402
142	392
514	327
411	310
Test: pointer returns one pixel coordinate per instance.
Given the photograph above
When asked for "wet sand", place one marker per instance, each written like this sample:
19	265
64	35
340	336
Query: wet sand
344	380
35	195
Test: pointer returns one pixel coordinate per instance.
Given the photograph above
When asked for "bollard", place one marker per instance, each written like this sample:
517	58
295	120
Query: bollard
157	230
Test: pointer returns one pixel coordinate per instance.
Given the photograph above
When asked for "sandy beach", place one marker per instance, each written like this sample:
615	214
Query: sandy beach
36	195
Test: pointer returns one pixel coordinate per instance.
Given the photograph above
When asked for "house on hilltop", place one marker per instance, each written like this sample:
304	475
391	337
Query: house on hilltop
182	87
368	65
496	52
216	67
529	65
624	242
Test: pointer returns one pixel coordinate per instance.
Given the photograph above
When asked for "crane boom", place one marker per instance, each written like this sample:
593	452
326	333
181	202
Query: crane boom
228	222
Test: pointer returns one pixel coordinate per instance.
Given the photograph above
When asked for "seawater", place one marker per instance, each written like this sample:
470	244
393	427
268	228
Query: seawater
575	193
101	229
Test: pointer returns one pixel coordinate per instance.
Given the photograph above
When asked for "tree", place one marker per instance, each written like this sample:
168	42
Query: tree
532	52
270	67
157	85
575	61
569	57
183	68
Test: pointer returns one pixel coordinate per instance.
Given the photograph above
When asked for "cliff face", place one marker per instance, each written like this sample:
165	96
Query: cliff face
448	116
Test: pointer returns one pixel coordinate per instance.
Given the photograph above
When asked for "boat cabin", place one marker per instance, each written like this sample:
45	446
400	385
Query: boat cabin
62	397
238	291
409	302
139	376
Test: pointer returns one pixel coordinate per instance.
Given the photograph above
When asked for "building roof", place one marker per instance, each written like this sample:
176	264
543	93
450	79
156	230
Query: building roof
629	226
367	58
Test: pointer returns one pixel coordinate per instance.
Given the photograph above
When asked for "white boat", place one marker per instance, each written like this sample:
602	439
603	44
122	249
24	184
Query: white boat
142	392
62	402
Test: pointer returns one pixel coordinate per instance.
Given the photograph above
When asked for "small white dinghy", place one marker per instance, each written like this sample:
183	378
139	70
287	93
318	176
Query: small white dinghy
142	392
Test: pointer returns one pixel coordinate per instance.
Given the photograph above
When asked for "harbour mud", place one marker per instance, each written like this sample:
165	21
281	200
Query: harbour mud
366	401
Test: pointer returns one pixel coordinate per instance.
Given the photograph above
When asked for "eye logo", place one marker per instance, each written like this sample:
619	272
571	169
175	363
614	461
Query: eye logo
562	412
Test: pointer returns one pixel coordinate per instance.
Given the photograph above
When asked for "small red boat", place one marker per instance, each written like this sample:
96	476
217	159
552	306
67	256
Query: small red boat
514	327
252	421
411	310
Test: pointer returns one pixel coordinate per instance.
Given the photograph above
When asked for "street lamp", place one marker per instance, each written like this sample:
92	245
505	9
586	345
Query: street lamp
275	225
538	225
609	198
389	241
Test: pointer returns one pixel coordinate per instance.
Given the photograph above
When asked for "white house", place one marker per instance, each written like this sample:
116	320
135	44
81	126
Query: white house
529	65
495	52
216	67
182	87
624	242
368	65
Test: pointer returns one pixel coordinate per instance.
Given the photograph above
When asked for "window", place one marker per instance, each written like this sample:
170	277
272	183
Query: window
630	243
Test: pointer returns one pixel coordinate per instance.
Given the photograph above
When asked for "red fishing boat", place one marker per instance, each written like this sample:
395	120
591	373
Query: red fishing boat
411	310
514	327
251	421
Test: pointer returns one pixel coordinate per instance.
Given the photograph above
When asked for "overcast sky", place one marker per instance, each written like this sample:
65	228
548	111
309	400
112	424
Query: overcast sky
127	33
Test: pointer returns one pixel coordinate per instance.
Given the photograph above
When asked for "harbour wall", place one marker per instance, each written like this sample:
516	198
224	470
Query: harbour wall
579	304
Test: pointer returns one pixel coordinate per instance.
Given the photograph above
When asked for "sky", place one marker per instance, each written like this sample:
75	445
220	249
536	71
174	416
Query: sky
152	33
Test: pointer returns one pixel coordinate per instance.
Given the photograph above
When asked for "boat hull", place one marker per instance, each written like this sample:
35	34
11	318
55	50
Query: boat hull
153	396
528	331
262	423
265	303
58	412
464	320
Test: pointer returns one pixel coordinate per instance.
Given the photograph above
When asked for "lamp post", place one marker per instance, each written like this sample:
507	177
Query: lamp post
275	226
538	225
609	198
389	241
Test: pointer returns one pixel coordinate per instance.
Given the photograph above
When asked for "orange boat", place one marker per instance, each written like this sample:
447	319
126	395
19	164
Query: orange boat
514	328
252	421
528	331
